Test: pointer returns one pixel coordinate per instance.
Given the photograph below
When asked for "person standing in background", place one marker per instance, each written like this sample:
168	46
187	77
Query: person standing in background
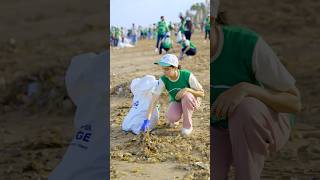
207	27
162	28
117	36
134	33
188	28
182	24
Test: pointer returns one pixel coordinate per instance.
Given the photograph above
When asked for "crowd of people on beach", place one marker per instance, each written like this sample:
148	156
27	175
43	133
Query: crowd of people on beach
162	32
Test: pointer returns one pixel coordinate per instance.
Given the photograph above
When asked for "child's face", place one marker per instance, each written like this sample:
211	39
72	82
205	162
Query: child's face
168	71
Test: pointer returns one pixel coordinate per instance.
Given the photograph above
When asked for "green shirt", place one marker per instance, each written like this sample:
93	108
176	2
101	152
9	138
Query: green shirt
233	65
207	24
117	33
174	87
182	28
162	27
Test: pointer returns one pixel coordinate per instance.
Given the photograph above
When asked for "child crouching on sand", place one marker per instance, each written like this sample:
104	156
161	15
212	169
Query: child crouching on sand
183	89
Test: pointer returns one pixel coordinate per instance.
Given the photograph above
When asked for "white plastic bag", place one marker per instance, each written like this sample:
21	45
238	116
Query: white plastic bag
125	43
86	156
141	89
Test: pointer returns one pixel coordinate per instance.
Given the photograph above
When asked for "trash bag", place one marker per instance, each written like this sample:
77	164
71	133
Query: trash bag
141	89
125	43
87	154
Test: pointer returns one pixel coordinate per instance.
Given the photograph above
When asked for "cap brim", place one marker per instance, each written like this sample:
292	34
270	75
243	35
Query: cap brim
162	64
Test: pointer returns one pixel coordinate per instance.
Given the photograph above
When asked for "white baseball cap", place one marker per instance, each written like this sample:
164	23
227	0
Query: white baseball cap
168	60
188	19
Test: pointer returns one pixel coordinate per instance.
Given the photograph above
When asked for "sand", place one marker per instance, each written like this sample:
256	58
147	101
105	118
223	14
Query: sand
169	156
36	36
38	40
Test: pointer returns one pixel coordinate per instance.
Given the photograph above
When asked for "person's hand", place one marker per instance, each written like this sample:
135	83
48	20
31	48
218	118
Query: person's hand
145	126
181	93
228	101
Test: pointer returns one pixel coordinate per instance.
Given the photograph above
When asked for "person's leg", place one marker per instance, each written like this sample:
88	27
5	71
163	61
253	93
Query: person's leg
174	112
135	39
189	104
160	49
162	37
116	42
254	130
187	34
220	153
158	40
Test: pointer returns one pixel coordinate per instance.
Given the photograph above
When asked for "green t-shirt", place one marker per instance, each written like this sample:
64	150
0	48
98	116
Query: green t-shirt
207	24
174	87
182	26
117	33
233	65
162	27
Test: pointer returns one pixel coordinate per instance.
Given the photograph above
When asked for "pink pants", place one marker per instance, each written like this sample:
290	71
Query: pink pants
254	131
186	107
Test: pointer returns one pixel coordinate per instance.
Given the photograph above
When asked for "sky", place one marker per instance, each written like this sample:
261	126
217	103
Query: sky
146	12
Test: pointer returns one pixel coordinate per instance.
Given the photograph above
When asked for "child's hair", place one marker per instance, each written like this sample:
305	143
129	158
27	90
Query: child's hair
222	18
179	66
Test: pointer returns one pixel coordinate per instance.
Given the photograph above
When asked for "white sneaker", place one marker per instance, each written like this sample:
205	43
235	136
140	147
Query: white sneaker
156	50
186	132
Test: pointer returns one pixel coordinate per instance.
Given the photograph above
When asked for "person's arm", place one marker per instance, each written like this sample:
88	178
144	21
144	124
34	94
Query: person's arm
280	85
280	92
155	97
187	49
195	88
167	28
196	93
152	105
285	102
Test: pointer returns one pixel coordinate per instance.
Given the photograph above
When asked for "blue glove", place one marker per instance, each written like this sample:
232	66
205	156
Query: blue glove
145	126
